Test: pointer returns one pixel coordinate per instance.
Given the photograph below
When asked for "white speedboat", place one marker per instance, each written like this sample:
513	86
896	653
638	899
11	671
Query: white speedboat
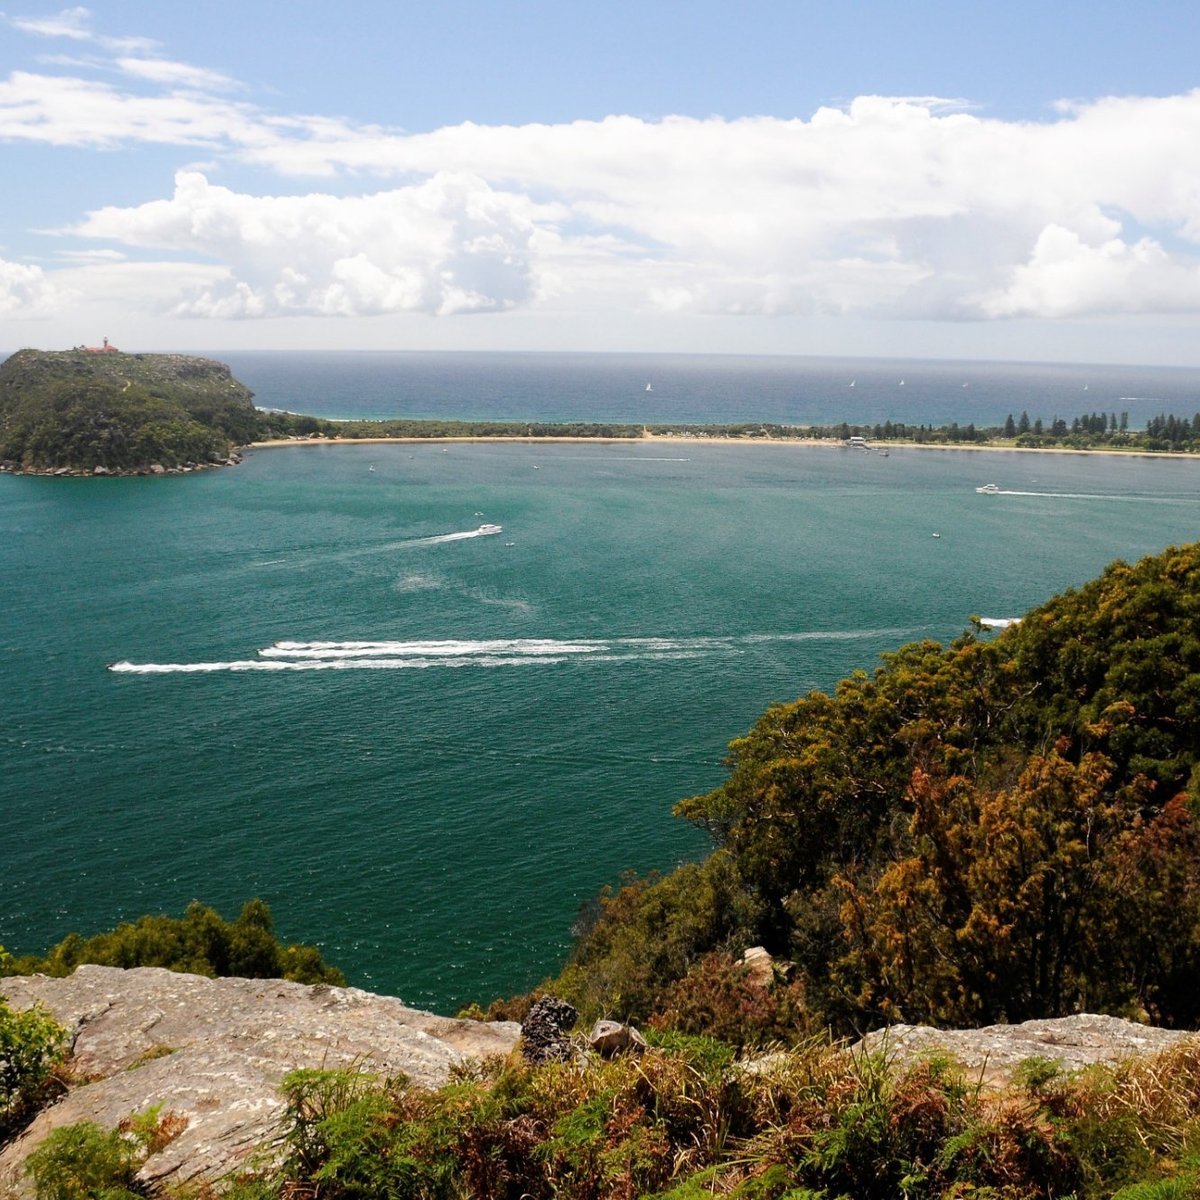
988	489
489	529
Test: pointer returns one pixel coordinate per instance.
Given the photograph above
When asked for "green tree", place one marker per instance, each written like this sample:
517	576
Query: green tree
200	942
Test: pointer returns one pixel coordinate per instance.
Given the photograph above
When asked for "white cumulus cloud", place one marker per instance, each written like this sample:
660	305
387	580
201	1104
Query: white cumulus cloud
1068	277
887	207
449	245
25	291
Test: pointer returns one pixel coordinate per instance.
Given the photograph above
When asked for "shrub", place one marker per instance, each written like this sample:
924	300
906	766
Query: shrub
84	1162
31	1044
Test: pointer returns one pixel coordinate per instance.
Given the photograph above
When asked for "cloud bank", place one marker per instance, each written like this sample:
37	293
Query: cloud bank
889	207
26	291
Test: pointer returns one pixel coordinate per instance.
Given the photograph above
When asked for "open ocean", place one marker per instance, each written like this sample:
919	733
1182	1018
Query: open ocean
425	745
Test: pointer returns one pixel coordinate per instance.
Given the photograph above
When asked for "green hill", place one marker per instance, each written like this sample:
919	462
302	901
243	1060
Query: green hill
80	411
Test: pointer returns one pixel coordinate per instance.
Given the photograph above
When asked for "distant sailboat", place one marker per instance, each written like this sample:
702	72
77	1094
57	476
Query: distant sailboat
902	383
853	382
649	387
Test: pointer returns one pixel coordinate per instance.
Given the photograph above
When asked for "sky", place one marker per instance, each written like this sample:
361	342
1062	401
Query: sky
934	180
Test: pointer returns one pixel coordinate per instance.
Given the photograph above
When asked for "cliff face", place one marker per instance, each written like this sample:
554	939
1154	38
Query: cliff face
215	1050
74	411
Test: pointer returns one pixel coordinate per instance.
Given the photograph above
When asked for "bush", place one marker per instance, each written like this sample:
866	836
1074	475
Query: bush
31	1044
200	942
84	1162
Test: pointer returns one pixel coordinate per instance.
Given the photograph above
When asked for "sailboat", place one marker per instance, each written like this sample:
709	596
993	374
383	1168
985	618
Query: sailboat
649	387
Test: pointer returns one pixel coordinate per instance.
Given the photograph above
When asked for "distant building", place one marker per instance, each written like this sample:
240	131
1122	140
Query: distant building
107	348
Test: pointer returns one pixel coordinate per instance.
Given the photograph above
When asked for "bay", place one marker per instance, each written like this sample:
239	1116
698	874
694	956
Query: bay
426	746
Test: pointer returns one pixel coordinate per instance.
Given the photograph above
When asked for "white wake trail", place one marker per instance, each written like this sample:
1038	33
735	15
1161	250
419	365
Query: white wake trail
326	664
1101	496
421	654
449	648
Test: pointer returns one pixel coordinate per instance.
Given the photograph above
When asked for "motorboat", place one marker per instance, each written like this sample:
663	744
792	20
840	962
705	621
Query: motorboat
988	489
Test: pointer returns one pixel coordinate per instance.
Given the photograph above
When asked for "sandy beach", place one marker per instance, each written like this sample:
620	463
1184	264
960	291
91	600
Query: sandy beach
704	440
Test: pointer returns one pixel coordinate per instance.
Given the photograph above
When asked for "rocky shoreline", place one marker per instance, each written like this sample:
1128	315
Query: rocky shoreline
188	468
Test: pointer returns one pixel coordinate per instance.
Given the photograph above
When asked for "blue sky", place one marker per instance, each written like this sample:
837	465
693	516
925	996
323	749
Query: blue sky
935	180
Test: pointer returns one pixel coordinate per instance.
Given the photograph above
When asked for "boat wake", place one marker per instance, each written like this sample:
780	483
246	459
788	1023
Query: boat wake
1099	496
438	538
388	655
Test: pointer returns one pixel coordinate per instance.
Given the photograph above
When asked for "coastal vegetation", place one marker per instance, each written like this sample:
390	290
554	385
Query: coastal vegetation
32	1044
988	831
77	410
200	942
1091	431
103	412
685	1121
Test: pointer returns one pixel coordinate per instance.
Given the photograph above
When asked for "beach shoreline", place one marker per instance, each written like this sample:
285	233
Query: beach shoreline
677	439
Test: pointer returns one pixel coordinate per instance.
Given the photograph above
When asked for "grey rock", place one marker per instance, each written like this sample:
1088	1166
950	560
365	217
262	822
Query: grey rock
760	966
215	1051
610	1038
996	1050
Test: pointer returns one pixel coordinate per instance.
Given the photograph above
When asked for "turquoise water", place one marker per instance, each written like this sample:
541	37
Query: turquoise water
426	746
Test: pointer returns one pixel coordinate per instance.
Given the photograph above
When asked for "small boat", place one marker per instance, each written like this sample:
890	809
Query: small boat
649	387
371	468
936	535
853	382
988	489
486	529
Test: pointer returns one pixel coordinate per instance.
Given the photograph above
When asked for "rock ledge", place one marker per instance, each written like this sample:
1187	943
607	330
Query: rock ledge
215	1051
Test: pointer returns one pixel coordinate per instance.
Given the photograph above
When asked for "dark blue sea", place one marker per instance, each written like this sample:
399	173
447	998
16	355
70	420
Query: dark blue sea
426	700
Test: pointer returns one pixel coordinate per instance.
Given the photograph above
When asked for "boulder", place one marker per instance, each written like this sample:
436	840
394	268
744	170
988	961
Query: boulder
610	1038
214	1051
760	966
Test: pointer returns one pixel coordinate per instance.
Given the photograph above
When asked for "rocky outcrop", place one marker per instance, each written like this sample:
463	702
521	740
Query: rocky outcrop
215	1050
995	1050
546	1031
